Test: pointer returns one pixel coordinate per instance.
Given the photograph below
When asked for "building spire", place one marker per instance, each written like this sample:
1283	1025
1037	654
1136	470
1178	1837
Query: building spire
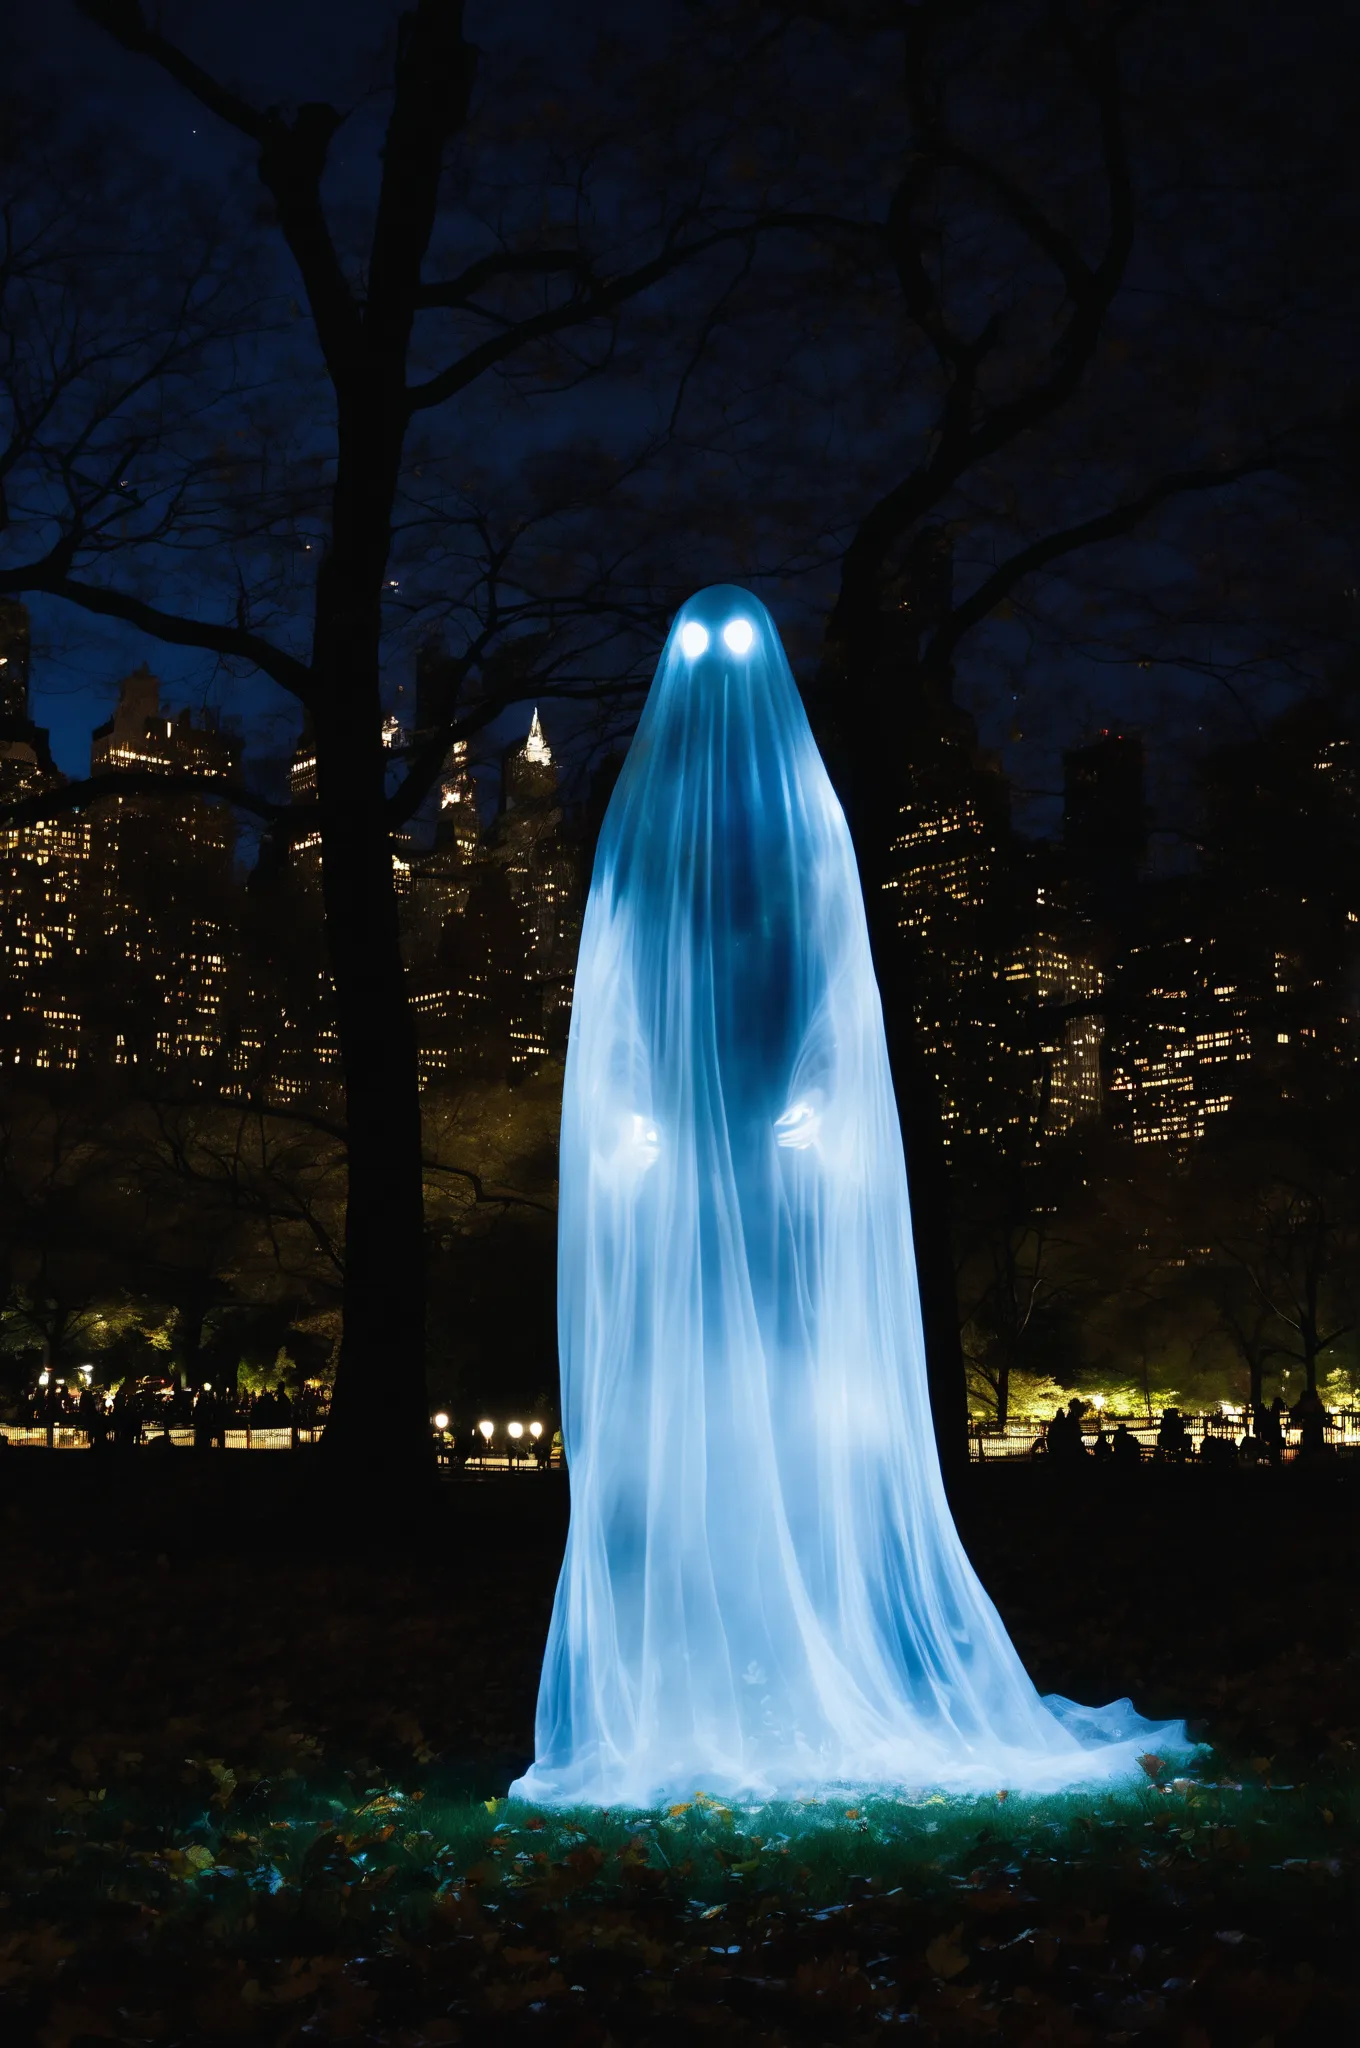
536	748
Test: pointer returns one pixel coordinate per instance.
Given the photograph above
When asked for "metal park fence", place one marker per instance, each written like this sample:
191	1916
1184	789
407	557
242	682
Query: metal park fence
1024	1436
454	1460
65	1436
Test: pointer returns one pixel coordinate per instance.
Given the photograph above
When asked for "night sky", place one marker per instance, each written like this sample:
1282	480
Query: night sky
1141	634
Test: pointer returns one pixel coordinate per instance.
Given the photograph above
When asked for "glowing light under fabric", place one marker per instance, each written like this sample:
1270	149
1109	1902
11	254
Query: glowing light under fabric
763	1592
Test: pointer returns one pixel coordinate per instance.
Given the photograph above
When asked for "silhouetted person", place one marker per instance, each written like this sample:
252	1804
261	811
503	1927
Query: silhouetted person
1073	1447
1064	1435
1126	1449
1102	1449
209	1421
1173	1438
126	1421
1310	1419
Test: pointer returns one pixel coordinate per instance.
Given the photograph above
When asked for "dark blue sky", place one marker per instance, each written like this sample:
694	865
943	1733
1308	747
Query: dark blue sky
333	49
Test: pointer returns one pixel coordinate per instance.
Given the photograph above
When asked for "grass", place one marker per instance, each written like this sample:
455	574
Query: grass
1214	1907
249	1792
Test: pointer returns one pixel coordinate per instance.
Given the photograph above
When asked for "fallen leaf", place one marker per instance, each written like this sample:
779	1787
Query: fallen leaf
944	1956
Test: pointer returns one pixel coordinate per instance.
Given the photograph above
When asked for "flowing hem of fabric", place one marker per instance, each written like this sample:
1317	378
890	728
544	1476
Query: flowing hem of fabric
1093	1746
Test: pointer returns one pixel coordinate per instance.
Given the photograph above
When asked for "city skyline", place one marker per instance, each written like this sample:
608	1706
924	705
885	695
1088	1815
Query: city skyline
152	888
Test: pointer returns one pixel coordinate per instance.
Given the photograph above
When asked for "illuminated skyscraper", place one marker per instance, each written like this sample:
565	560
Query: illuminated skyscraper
954	888
530	843
458	822
15	645
1054	970
42	866
160	911
25	758
286	1048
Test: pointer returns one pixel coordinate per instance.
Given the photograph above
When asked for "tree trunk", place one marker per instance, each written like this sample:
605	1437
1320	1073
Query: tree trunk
379	1425
189	1341
875	791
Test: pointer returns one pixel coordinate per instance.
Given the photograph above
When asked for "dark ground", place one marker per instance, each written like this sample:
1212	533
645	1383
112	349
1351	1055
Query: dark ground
194	1669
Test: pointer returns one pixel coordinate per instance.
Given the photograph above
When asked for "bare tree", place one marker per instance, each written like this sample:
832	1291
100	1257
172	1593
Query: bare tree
1025	162
307	408
134	440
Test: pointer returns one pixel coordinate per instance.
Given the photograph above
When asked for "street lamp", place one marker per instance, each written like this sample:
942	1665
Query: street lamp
535	1430
441	1421
516	1430
1097	1402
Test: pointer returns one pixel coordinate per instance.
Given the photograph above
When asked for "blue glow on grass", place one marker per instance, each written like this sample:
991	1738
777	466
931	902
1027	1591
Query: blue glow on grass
763	1594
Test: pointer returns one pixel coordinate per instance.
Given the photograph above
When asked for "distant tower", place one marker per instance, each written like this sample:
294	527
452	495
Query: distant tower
458	823
952	886
163	909
530	843
14	659
529	774
139	735
41	869
1105	816
25	757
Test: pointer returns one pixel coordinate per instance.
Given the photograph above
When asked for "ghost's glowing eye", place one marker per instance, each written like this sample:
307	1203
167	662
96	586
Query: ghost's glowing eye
693	639
739	633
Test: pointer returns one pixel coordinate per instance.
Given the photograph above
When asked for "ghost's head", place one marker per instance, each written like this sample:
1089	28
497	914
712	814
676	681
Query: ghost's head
719	630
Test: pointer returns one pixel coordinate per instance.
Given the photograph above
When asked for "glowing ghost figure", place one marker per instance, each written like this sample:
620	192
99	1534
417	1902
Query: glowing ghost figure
763	1592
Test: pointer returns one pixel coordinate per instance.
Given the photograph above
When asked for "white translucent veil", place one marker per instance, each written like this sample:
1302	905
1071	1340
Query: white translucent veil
763	1592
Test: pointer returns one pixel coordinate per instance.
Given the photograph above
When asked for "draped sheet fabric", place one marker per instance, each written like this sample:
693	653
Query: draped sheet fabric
763	1593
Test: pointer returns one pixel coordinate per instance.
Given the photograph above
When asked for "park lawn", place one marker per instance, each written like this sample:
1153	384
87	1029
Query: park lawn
298	1905
251	1792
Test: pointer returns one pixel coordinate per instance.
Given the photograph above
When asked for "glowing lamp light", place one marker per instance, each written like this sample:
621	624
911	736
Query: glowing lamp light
693	639
535	1430
1097	1401
738	634
441	1421
488	1430
44	1377
516	1430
